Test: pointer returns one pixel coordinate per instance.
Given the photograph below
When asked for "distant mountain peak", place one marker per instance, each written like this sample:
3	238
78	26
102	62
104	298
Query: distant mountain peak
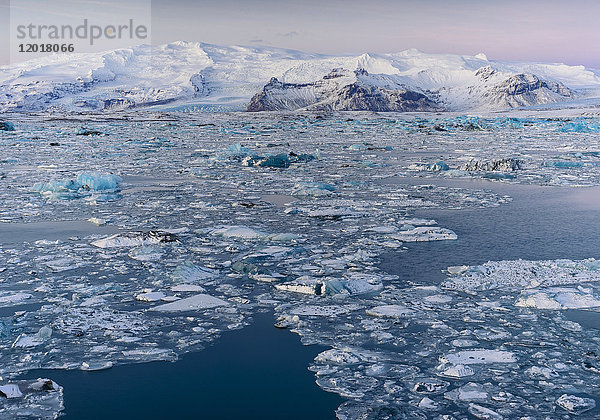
175	75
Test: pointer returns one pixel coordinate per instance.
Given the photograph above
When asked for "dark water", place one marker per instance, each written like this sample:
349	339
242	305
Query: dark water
540	223
258	372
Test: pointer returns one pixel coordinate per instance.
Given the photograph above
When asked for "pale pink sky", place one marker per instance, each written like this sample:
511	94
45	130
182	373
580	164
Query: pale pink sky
549	30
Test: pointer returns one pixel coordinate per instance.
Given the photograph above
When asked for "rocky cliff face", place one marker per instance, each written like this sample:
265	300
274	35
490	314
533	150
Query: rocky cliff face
340	90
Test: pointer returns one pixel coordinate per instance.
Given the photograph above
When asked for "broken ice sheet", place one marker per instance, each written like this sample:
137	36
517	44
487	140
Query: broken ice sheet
40	398
328	240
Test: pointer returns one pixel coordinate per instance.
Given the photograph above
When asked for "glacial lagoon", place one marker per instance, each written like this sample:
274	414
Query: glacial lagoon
433	266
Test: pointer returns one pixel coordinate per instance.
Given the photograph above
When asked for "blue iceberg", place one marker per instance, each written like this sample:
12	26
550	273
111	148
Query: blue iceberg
102	186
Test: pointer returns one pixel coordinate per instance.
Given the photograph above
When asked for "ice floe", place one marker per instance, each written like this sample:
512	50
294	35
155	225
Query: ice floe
192	303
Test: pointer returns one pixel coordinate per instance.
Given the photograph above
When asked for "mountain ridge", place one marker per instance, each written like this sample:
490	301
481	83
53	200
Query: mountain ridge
181	74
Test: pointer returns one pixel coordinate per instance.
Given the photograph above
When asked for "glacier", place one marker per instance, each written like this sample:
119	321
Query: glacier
197	76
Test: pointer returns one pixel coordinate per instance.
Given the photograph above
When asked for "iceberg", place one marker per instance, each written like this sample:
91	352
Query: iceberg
389	311
479	356
6	126
238	232
574	404
192	273
135	239
425	234
192	303
101	186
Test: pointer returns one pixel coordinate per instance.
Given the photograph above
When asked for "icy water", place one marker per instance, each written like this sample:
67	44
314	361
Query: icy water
255	373
541	223
421	288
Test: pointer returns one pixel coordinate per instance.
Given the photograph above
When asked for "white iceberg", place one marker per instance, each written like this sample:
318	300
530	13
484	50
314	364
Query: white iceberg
192	303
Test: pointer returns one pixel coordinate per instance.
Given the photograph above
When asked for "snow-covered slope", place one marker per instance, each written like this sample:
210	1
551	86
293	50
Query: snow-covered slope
189	74
341	90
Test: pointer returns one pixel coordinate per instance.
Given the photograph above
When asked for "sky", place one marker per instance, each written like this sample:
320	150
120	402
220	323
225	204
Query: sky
534	30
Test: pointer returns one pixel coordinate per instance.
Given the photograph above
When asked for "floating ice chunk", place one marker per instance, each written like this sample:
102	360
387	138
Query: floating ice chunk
338	357
558	298
424	234
468	392
312	189
12	298
428	404
464	342
132	239
40	337
283	237
237	150
418	222
6	126
182	288
389	311
64	264
358	284
95	366
97	221
281	160
382	229
93	301
538	300
434	167
191	273
238	232
150	296
355	285
479	356
507	164
10	391
429	386
574	404
99	182
540	372
331	212
84	185
303	284
483	413
326	310
44	384
63	190
357	147
455	371
271	251
564	164
44	242
192	303
438	299
146	253
457	269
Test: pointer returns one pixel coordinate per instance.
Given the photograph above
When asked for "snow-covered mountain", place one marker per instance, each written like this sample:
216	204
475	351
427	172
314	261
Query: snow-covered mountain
341	90
189	75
